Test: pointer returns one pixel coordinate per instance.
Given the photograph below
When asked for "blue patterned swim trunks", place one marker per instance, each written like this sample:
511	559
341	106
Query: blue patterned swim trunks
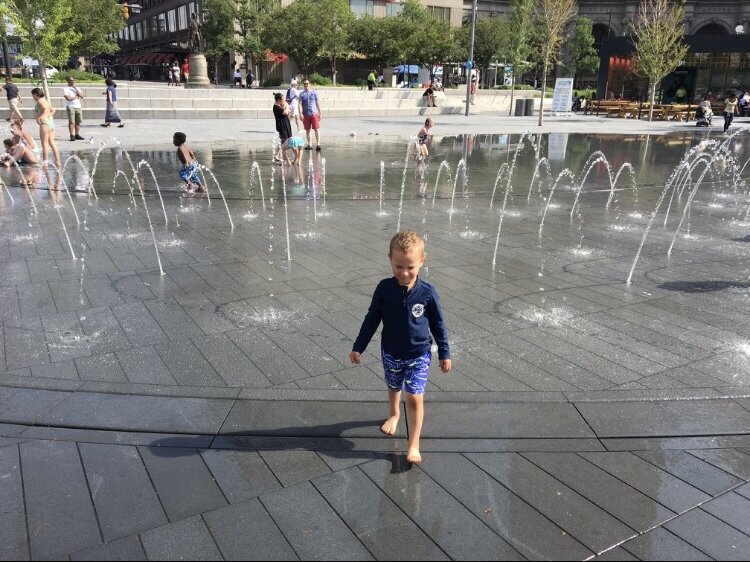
406	374
190	173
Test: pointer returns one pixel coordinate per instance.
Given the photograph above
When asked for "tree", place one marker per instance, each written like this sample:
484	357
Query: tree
377	39
582	56
251	16
218	29
96	22
336	18
658	30
44	27
517	49
305	43
554	16
489	40
427	42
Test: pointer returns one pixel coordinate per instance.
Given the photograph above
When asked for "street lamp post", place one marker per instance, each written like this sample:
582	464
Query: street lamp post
471	56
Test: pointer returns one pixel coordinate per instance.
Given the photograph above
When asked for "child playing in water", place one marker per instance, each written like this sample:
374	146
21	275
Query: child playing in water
189	170
18	153
410	310
423	136
295	144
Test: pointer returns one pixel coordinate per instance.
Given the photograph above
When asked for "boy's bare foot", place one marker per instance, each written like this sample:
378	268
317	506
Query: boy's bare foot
390	426
413	456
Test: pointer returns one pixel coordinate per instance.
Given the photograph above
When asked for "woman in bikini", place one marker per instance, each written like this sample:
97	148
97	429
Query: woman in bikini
44	111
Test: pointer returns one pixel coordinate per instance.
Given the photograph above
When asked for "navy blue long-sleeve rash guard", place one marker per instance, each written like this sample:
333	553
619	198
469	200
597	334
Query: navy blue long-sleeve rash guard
408	318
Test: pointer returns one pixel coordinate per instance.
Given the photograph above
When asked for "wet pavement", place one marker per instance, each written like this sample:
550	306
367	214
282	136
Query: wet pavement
99	495
210	412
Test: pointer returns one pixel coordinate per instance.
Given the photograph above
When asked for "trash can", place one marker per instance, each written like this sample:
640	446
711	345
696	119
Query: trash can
520	107
529	107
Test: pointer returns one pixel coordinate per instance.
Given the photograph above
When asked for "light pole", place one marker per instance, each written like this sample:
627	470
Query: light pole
471	56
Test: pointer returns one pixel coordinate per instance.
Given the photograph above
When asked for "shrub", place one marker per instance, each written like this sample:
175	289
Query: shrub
272	82
77	75
318	80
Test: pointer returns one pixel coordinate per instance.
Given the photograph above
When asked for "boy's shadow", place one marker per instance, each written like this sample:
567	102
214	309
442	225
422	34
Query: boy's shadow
321	438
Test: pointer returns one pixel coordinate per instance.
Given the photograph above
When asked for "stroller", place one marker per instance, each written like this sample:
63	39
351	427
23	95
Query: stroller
703	116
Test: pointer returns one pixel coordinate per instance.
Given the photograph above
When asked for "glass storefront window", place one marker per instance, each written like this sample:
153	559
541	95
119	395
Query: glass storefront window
393	8
362	7
182	17
439	13
162	24
172	21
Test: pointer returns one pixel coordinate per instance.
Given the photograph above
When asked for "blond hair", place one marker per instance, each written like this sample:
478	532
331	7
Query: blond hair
406	240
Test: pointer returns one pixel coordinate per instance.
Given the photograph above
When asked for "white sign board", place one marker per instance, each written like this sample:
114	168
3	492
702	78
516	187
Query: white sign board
557	146
562	99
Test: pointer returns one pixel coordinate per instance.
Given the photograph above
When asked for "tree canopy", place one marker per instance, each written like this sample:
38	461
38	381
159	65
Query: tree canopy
96	22
582	55
489	40
658	30
378	39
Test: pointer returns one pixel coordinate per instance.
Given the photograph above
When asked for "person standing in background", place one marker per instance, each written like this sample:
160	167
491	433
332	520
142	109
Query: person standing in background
73	96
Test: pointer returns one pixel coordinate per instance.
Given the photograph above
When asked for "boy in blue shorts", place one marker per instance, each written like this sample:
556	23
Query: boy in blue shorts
410	310
189	170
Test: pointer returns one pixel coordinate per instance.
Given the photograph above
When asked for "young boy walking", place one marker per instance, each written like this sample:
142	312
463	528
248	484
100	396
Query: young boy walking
189	169
410	310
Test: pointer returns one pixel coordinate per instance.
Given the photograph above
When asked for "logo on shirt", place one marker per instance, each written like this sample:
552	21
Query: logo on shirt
417	310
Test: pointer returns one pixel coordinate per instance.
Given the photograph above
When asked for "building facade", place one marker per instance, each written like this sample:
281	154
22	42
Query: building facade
158	35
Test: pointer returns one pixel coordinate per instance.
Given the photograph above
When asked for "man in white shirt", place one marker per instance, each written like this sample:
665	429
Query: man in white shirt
73	96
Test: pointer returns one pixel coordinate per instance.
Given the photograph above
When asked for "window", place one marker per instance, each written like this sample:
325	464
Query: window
162	23
439	13
172	21
393	8
362	7
182	17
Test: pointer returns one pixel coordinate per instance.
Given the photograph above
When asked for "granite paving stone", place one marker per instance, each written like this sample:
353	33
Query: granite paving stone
732	509
241	475
618	553
576	515
744	491
311	526
648	479
139	326
245	531
711	535
293	467
615	497
145	365
660	544
105	367
732	461
454	420
175	470
187	364
307	418
18	405
268	357
13	537
59	512
640	419
25	347
60	370
188	539
126	548
124	498
525	528
457	531
139	413
692	470
376	521
341	460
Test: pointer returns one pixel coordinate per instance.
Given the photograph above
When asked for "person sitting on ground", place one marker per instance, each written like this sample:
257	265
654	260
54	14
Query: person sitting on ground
423	137
250	78
21	137
189	170
429	96
237	78
295	144
17	154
